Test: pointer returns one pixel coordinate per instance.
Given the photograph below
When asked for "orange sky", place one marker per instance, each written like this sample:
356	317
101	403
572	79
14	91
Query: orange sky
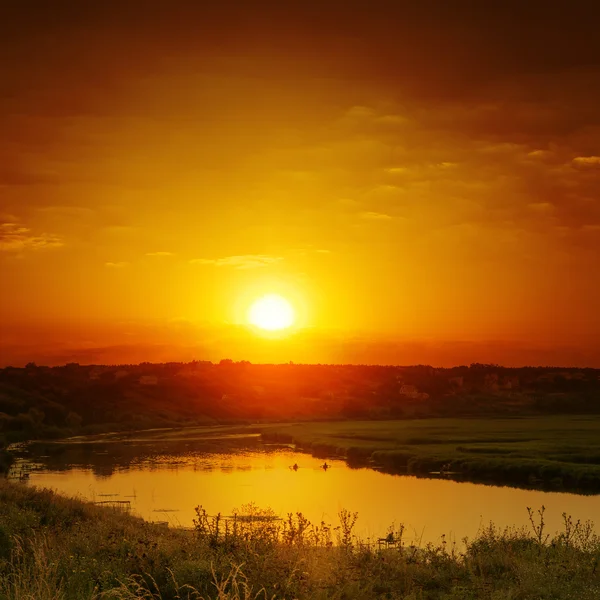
421	182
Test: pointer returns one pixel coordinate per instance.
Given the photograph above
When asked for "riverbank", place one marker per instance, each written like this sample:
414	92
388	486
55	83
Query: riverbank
55	548
552	452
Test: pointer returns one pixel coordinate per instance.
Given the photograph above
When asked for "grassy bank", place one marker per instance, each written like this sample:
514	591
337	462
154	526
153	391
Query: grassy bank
53	548
559	452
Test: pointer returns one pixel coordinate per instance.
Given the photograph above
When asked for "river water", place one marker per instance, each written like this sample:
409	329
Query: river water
165	480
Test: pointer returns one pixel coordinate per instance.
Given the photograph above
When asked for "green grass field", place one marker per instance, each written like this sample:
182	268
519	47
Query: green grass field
559	451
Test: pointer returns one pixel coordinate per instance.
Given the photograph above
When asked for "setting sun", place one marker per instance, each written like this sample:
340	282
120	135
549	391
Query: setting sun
271	312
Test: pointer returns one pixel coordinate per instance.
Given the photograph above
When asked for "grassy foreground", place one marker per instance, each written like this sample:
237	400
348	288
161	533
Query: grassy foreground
54	548
558	451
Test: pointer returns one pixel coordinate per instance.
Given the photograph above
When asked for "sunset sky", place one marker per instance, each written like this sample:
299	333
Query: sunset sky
420	180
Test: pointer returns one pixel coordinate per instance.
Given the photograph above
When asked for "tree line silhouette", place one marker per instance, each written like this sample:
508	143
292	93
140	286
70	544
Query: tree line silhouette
40	401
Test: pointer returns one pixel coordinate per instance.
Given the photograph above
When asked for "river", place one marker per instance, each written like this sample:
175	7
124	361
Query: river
164	480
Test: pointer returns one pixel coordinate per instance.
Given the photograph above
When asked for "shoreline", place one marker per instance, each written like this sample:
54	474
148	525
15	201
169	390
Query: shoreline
420	448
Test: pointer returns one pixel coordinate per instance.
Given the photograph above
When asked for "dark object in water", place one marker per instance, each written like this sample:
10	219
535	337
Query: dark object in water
124	505
445	471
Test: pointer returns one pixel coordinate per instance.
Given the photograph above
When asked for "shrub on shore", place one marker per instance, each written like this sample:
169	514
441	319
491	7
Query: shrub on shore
5	461
6	458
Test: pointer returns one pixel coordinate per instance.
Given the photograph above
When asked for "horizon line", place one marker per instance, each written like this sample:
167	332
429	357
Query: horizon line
229	362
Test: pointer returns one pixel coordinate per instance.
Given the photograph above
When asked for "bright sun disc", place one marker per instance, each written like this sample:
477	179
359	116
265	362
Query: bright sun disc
271	312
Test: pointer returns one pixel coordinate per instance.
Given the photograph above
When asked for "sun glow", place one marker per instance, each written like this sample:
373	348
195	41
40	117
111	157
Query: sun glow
271	312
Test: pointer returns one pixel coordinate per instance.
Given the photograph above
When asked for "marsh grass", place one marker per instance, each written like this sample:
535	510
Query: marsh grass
56	548
521	451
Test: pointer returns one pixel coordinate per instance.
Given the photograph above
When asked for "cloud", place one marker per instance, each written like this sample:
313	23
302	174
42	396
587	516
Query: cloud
307	250
541	154
367	114
17	238
375	216
245	261
392	120
116	265
541	207
360	112
587	162
160	254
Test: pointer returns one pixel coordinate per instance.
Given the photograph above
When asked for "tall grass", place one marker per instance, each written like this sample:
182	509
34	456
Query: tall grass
55	548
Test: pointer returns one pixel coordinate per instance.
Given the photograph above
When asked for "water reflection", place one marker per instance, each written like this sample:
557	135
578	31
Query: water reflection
106	457
165	481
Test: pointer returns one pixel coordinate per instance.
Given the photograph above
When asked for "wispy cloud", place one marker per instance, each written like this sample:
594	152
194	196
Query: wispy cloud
392	120
310	249
360	112
8	218
14	237
541	207
375	216
160	254
116	265
245	261
541	154
587	161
